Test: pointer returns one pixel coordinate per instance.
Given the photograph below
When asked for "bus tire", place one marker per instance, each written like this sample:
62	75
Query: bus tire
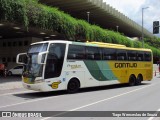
10	73
73	85
139	79
132	80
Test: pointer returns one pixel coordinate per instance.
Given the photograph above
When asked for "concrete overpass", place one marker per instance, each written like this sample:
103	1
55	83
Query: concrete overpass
14	38
100	14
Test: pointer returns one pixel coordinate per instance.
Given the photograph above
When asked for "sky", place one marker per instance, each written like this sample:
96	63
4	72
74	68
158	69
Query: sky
133	10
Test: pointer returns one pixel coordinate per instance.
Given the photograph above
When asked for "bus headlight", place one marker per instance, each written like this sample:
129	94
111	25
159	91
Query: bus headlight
39	81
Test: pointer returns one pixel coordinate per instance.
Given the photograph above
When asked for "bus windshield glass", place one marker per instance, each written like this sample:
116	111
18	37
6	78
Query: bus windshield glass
37	48
32	68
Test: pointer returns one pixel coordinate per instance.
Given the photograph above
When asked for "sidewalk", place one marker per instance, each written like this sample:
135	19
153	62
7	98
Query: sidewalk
10	82
155	67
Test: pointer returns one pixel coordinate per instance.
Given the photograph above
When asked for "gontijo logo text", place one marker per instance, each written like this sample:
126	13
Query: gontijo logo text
125	65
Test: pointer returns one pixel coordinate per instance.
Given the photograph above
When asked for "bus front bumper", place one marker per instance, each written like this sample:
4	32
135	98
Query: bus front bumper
37	87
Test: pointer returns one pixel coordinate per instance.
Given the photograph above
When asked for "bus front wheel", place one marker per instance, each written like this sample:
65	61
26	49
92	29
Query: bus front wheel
73	85
132	80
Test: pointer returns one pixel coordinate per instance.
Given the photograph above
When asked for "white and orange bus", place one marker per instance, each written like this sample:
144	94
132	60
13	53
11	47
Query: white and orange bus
65	65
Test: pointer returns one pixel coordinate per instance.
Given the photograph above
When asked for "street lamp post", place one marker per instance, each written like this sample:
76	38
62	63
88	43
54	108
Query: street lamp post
88	13
117	27
142	27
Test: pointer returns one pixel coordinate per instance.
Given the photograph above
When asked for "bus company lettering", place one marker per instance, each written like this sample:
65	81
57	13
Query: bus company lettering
74	66
125	65
147	65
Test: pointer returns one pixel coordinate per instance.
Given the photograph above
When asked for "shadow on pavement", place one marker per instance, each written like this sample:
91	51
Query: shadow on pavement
35	95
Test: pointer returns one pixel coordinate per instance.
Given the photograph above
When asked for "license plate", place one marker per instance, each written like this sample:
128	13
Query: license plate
28	86
26	80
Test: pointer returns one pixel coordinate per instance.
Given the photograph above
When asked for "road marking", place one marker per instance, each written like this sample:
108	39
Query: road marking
152	118
26	91
27	102
98	102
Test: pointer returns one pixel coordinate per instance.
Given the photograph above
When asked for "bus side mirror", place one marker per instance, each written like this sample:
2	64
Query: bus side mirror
21	58
41	57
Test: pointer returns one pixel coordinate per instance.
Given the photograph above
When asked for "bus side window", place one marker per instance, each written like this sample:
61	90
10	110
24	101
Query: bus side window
107	57
121	55
109	54
120	58
93	53
76	52
139	56
71	56
147	56
131	55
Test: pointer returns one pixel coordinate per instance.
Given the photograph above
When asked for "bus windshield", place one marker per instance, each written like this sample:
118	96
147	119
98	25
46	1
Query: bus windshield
32	68
54	60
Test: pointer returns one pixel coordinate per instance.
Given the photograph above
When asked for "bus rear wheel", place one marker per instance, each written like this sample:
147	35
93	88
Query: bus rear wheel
132	80
73	85
139	79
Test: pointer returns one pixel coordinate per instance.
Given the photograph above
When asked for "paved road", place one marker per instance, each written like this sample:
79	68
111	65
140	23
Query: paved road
10	82
109	98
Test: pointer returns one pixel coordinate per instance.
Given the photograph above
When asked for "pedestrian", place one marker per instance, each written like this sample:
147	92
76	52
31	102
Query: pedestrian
5	72
158	63
1	69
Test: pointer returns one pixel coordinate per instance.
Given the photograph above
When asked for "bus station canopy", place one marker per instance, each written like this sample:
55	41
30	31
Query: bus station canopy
100	13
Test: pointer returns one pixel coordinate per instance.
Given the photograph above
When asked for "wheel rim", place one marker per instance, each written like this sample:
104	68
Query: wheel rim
139	79
73	86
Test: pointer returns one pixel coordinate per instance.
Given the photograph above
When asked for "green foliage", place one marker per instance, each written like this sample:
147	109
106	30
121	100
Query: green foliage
30	13
153	42
14	10
83	30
